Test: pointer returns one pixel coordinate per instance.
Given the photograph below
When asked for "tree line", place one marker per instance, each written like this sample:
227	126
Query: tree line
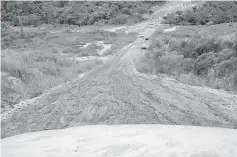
211	12
74	12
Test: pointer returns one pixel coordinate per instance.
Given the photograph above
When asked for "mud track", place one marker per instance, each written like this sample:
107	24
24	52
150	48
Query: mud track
116	93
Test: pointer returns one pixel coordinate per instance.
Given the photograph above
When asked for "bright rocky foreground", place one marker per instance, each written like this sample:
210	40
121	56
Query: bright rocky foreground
116	93
124	141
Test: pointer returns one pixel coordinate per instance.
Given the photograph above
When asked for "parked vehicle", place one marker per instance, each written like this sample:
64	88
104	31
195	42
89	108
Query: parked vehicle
146	38
141	36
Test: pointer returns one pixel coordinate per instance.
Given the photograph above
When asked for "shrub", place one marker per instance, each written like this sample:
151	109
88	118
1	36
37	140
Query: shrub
203	63
188	65
156	44
136	18
119	19
16	69
227	44
235	47
226	67
174	45
208	45
126	11
187	49
166	40
68	50
15	21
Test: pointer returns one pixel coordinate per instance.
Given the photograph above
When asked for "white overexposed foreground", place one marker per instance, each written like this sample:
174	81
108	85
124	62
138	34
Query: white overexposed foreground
124	140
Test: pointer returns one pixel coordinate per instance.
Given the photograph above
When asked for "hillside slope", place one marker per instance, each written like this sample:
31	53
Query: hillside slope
116	93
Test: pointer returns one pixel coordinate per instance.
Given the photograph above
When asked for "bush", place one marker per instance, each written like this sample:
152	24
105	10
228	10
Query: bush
17	70
207	45
197	47
119	20
187	48
136	18
15	21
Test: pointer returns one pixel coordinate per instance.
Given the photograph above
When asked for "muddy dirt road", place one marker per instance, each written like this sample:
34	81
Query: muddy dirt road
116	93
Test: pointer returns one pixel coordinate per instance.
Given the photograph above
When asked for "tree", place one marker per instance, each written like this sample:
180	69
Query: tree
189	16
171	18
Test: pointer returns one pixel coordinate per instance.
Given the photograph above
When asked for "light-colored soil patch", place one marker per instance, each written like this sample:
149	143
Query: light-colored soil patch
87	58
115	29
84	45
106	47
170	29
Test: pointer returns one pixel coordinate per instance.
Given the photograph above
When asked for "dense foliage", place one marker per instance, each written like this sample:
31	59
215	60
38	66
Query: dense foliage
74	12
194	58
211	12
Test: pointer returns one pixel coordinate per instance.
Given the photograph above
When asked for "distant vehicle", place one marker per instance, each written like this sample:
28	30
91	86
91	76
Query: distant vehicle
146	38
141	36
144	46
151	25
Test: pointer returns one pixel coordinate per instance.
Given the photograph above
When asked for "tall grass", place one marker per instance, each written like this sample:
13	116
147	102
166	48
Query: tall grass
38	73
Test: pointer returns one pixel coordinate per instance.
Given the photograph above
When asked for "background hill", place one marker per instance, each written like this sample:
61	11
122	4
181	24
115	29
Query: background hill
76	13
209	12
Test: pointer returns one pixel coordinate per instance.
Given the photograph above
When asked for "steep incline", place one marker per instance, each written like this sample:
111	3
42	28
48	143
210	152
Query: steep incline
116	93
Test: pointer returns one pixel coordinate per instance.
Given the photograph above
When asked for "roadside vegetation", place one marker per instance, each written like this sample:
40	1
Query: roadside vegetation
196	55
211	12
79	13
201	54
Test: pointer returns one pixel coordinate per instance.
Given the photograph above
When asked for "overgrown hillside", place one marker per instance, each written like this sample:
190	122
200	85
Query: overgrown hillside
196	55
75	12
212	12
